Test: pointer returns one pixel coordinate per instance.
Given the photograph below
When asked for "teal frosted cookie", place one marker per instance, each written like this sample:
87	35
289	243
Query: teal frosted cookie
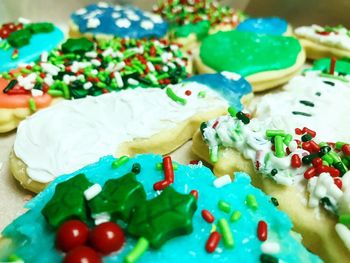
24	42
163	212
265	60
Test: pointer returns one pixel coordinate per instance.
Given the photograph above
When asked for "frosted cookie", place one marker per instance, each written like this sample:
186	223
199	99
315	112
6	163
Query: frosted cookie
191	21
152	209
320	42
75	133
309	177
265	25
265	60
23	42
103	20
333	68
81	68
311	101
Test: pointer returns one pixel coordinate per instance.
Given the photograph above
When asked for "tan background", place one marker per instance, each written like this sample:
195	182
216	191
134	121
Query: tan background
12	196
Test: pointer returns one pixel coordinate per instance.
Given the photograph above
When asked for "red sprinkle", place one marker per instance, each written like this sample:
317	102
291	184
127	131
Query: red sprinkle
298	131
262	230
212	242
346	149
298	142
338	182
208	216
328	169
316	162
161	185
215	124
332	66
188	93
168	169
194	162
257	165
307	146
314	146
308	131
295	161
194	193
309	173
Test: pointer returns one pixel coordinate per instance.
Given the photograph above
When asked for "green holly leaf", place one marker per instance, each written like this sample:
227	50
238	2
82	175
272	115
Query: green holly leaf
167	216
118	197
68	201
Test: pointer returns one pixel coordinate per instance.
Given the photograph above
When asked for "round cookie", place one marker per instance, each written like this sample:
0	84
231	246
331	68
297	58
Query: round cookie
320	42
265	25
265	60
81	68
24	42
307	175
191	21
106	21
195	218
75	133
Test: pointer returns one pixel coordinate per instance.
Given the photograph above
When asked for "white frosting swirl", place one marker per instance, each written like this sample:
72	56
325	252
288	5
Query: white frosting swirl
330	116
72	134
340	39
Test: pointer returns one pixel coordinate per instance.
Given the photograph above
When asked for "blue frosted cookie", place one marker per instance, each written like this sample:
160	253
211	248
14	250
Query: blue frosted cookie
264	25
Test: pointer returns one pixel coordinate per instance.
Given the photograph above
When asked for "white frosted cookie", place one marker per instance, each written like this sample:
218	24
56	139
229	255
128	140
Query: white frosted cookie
308	177
267	61
71	134
320	42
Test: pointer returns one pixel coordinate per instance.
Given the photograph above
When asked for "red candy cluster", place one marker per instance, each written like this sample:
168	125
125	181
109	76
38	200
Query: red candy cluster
7	29
84	245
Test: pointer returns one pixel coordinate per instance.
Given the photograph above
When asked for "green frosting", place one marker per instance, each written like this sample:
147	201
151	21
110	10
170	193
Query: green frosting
118	197
247	53
67	202
200	29
19	38
77	46
36	28
164	217
341	65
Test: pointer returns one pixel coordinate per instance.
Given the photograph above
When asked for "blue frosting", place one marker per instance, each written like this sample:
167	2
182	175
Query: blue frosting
231	89
110	20
264	25
29	53
35	239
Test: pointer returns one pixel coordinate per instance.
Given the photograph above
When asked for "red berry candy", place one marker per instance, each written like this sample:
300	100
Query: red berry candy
71	234
317	162
346	149
107	237
4	33
82	254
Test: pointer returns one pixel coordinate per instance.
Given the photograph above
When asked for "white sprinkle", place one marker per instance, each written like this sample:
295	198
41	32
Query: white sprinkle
110	67
23	20
95	62
87	85
133	17
81	11
117	8
93	22
44	56
165	69
101	218
150	66
174	47
222	181
231	75
133	82
81	77
102	5
292	146
120	66
92	191
66	79
107	52
94	72
48	80
93	14
172	65
155	18
344	234
91	54
37	92
50	68
147	24
118	79
153	78
270	247
28	81
123	23
116	15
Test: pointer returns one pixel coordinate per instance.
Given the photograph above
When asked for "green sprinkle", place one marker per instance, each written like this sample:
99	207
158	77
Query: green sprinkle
65	89
301	113
279	151
287	139
32	105
274	201
55	93
339	145
136	168
344	219
328	158
213	155
232	111
265	258
174	97
224	206
120	161
273	133
226	233
202	94
140	248
11	84
334	156
242	117
251	202
307	103
235	216
306	137
159	166
14	258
